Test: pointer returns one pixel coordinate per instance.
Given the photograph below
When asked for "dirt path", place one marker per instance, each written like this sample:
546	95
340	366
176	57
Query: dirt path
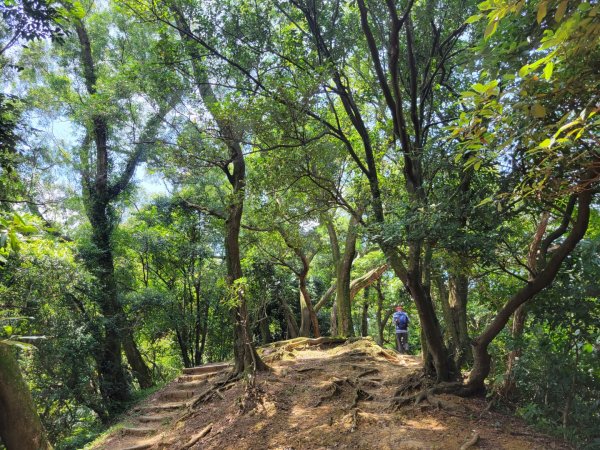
316	397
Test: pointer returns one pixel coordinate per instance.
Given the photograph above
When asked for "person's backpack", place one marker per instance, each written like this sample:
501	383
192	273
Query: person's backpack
402	321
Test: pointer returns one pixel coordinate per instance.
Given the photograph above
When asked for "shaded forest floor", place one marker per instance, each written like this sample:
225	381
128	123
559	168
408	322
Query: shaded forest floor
316	397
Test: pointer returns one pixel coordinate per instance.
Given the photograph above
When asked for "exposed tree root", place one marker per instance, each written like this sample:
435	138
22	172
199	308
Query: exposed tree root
219	386
471	442
386	355
452	388
194	439
359	395
335	390
307	369
252	396
416	381
354	421
367	372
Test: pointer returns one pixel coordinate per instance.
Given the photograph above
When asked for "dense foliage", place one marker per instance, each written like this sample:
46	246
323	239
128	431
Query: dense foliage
184	180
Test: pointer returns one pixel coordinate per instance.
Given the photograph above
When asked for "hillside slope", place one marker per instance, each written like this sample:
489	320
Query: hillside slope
323	396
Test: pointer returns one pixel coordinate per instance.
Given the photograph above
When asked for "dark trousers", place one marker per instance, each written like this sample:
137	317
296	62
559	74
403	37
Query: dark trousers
402	342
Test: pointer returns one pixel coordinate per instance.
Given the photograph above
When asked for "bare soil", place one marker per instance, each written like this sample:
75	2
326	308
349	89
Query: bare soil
319	397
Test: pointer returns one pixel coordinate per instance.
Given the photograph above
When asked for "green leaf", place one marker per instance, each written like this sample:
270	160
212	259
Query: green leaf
548	70
490	29
560	11
485	201
480	88
537	110
474	18
587	347
542	11
524	71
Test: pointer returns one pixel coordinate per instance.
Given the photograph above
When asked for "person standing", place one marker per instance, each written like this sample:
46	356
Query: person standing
401	321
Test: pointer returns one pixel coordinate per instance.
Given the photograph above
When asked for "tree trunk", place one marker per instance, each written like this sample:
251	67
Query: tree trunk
308	318
138	366
183	349
518	325
443	364
290	320
538	282
458	285
379	313
20	426
521	313
451	328
364	328
334	321
246	358
245	354
345	328
343	265
113	383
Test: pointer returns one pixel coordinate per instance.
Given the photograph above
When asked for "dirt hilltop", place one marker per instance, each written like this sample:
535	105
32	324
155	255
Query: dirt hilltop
320	394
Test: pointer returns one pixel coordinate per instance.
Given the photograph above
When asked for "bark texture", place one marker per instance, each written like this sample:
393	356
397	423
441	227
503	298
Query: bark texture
20	426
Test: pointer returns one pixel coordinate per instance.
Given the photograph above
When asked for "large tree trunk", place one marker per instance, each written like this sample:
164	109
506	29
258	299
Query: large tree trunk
98	193
442	363
290	320
245	354
538	282
520	316
343	265
458	285
379	313
139	368
246	358
308	317
113	383
20	426
450	330
364	325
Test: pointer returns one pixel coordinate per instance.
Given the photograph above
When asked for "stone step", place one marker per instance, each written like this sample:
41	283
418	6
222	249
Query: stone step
138	447
162	418
176	395
161	407
191	385
199	377
138	431
206	368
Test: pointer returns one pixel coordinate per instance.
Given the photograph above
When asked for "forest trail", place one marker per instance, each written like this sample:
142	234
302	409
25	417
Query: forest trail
319	395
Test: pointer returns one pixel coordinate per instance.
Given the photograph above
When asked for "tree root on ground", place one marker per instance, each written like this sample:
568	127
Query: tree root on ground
219	386
360	394
253	395
471	442
194	439
416	381
452	388
308	369
386	355
367	372
335	390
